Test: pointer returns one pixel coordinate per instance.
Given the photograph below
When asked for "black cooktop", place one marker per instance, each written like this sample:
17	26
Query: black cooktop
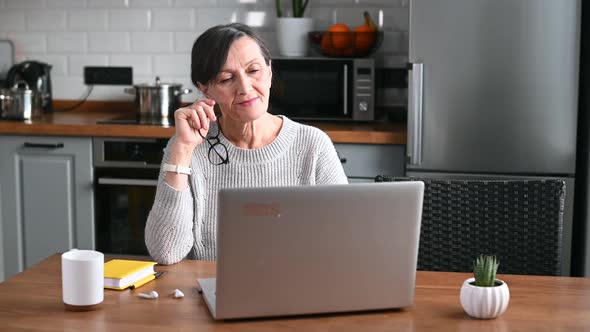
126	120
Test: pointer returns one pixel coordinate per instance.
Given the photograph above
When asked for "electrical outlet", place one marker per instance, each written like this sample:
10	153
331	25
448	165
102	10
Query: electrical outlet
108	75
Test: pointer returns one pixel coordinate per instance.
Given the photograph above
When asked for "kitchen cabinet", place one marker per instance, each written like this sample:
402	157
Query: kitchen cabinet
362	162
46	198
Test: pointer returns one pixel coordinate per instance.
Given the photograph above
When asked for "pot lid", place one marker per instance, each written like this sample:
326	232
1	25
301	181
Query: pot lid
158	85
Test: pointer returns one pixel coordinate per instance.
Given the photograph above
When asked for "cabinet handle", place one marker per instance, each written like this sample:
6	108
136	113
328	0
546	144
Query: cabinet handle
44	145
127	182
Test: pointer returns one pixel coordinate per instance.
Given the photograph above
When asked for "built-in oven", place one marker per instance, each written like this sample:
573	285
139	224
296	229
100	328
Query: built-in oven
126	172
335	89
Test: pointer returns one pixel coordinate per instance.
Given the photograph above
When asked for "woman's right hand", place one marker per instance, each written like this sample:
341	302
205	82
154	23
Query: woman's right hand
192	118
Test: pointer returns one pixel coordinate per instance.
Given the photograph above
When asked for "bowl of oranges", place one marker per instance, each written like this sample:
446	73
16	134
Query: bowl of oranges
340	41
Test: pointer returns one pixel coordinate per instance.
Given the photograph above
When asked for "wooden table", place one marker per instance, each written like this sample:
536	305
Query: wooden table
32	301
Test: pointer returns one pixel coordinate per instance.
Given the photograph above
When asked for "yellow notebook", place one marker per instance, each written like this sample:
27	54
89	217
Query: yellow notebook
122	273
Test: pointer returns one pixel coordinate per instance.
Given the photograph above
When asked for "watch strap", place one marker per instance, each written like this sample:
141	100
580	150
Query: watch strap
176	169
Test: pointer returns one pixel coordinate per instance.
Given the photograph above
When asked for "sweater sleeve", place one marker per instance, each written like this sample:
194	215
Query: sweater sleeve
329	168
168	231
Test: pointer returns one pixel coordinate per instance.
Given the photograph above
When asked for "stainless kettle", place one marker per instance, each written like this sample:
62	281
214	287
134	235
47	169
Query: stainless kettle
20	102
37	76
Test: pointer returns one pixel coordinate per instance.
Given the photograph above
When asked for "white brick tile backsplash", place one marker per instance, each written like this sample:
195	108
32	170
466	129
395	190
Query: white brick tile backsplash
145	79
67	87
394	60
152	42
141	64
173	19
46	20
270	38
108	3
187	84
206	18
77	62
24	4
322	17
353	16
249	4
362	4
393	42
58	62
66	42
106	92
150	3
261	19
129	20
183	41
195	3
405	42
108	42
171	65
66	3
12	20
87	20
396	19
155	37
27	42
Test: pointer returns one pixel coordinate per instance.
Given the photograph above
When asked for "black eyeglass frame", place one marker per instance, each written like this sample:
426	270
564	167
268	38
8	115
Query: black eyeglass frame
224	160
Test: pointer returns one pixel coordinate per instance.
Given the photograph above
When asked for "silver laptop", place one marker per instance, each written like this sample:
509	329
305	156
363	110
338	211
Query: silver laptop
315	249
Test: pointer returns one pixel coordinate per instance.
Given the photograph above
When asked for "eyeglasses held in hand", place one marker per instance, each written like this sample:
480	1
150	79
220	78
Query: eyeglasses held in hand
217	153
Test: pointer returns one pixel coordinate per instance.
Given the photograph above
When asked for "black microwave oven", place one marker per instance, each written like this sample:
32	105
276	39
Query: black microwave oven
335	89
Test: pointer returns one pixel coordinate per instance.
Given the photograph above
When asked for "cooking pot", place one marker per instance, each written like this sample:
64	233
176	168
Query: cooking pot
159	101
20	102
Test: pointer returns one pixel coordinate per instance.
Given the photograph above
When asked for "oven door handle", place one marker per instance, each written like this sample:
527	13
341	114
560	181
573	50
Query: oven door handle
127	182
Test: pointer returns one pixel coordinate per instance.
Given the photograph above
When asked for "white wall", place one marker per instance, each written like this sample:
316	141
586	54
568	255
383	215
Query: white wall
155	36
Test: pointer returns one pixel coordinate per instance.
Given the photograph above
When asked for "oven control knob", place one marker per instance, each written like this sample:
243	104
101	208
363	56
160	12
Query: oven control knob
363	106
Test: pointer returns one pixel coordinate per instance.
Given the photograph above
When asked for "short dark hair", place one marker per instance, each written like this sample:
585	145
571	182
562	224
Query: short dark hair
210	50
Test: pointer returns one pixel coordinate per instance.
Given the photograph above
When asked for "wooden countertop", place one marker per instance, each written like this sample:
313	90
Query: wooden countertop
32	300
83	122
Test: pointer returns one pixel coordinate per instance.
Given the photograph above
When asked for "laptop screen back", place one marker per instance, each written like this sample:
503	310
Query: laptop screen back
317	249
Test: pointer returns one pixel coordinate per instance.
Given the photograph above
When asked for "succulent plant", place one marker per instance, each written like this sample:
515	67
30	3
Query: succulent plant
484	269
299	7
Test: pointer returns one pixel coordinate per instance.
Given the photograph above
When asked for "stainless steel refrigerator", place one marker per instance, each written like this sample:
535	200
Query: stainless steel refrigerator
493	91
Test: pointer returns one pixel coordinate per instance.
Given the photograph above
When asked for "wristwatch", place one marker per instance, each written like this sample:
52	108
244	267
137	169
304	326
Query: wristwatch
176	169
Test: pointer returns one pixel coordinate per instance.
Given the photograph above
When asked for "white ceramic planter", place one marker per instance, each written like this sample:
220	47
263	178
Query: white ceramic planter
292	35
484	302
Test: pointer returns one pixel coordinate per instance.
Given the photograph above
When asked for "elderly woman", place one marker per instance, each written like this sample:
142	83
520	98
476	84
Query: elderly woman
229	139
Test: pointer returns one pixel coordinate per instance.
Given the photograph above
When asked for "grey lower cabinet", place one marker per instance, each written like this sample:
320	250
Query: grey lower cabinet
46	198
363	162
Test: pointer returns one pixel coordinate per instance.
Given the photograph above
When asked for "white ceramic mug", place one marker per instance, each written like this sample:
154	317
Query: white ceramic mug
82	278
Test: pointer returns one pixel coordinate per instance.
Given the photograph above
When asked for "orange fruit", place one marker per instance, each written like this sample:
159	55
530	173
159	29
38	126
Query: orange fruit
365	34
364	38
336	39
326	46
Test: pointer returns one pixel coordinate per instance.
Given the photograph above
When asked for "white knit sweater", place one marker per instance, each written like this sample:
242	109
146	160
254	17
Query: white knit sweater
183	222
